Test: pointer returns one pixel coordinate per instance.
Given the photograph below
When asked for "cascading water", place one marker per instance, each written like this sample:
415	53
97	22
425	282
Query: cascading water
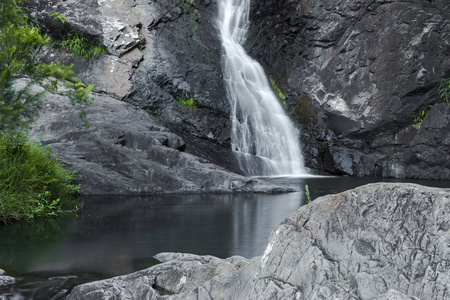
263	138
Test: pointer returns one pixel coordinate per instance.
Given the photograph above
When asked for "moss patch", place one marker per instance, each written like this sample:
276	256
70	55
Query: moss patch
304	111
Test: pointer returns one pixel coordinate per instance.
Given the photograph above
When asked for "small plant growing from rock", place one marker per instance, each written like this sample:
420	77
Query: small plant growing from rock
444	89
78	45
276	89
419	119
188	102
308	197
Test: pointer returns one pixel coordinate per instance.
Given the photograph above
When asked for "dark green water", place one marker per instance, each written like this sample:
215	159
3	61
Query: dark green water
118	235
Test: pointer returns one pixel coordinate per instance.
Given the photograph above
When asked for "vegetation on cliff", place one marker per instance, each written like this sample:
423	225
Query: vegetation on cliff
76	43
32	182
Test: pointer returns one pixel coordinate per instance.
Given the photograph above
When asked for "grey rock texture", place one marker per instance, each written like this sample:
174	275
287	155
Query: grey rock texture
178	274
159	52
6	280
182	59
380	241
355	74
128	151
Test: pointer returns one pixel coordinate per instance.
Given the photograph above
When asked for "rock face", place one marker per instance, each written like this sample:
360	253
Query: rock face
380	241
355	74
128	151
160	52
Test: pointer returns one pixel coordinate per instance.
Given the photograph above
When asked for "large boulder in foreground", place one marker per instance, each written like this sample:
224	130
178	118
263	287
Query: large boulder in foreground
379	241
128	151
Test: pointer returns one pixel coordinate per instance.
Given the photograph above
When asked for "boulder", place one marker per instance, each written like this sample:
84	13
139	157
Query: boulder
355	74
379	241
177	275
6	280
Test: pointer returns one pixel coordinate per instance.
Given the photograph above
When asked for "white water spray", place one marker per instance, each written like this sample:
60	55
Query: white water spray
263	138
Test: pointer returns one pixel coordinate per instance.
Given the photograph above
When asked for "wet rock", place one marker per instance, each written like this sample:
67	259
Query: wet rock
360	70
6	280
379	241
128	151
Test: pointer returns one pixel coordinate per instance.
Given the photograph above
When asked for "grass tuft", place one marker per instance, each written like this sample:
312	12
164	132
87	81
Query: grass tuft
80	46
33	183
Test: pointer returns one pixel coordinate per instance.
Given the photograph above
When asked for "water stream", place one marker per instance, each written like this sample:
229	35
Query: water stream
263	138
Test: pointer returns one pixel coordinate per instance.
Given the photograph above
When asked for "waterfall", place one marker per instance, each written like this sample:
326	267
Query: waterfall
263	138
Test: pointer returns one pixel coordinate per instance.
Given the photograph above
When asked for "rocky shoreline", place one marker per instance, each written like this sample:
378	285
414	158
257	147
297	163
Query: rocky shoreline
379	241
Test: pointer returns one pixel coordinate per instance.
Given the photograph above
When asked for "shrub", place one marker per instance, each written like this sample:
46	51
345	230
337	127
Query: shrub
308	197
20	47
33	183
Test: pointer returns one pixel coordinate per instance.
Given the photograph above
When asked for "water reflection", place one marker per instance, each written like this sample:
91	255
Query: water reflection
116	235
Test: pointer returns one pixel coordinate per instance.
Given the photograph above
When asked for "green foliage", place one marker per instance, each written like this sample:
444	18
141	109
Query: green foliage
80	46
308	197
20	45
59	16
33	183
188	102
76	44
419	119
11	13
444	90
276	89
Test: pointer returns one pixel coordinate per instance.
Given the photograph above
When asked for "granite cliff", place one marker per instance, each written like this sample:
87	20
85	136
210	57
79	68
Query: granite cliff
355	74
